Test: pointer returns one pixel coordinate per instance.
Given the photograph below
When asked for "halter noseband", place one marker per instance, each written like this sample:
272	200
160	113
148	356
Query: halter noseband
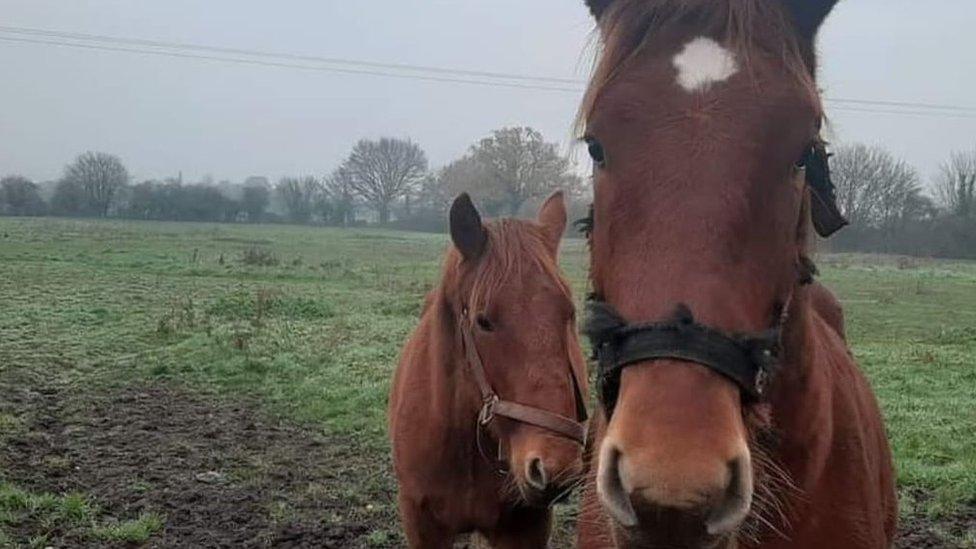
492	405
748	360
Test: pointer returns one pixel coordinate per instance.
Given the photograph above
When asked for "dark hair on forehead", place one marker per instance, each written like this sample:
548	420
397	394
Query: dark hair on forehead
745	26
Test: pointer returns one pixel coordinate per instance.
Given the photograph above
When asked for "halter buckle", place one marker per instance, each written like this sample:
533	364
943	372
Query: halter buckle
487	413
762	377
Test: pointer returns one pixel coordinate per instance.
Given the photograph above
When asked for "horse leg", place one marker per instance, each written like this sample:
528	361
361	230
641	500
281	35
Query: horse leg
523	528
422	529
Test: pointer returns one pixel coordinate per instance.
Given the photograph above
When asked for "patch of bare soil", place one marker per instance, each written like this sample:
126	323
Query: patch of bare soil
221	473
921	532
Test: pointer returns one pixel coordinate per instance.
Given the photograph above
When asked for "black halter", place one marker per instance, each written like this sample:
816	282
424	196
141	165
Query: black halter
746	359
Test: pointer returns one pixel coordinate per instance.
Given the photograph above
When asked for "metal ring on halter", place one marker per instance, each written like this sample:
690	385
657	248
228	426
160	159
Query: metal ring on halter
762	377
487	412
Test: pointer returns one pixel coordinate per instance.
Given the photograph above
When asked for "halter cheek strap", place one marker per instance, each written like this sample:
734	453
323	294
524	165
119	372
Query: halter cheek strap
492	405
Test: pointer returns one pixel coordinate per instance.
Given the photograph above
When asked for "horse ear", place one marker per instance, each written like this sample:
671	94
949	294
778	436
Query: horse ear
598	7
467	232
552	217
808	15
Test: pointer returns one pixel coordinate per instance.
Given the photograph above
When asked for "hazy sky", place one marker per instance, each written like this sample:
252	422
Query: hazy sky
163	114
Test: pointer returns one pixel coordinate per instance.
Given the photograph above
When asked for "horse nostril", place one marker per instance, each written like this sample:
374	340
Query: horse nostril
737	500
612	488
535	474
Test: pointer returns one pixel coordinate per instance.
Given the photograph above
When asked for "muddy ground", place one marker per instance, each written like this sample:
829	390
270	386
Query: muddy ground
222	473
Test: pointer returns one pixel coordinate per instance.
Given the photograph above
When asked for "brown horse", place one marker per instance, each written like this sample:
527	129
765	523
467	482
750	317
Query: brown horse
732	411
481	404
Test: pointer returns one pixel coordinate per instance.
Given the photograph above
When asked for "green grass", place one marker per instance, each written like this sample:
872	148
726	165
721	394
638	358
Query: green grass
14	503
913	331
133	531
316	334
45	512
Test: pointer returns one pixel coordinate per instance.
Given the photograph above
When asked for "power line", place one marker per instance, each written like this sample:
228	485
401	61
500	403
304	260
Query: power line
435	74
911	104
964	116
291	56
292	65
408	67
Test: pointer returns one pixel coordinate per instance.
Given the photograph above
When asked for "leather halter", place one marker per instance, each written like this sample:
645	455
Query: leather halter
748	360
492	405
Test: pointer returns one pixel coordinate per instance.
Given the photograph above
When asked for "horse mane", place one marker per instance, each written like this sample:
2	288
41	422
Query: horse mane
512	246
745	26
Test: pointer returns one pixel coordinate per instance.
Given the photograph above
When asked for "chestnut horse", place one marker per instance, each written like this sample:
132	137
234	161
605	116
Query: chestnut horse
733	413
487	406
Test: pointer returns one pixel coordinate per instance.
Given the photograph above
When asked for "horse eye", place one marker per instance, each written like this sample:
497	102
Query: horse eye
596	151
484	323
804	158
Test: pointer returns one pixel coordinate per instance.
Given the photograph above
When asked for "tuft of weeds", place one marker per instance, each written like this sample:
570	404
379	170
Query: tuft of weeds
378	538
180	316
905	262
130	531
264	300
332	264
259	305
8	422
259	257
48	513
75	508
38	542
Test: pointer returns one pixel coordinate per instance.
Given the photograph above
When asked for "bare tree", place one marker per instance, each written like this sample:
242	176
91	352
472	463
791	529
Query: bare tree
521	165
955	186
878	193
874	188
897	196
855	169
299	195
339	192
100	175
384	171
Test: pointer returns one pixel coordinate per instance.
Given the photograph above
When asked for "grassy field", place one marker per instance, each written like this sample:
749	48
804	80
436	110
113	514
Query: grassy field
302	327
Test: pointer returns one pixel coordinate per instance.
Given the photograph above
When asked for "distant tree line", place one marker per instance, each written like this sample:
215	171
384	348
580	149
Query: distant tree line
389	182
890	211
386	181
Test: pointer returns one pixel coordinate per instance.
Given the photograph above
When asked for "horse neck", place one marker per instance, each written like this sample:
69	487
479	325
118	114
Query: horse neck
795	379
801	399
